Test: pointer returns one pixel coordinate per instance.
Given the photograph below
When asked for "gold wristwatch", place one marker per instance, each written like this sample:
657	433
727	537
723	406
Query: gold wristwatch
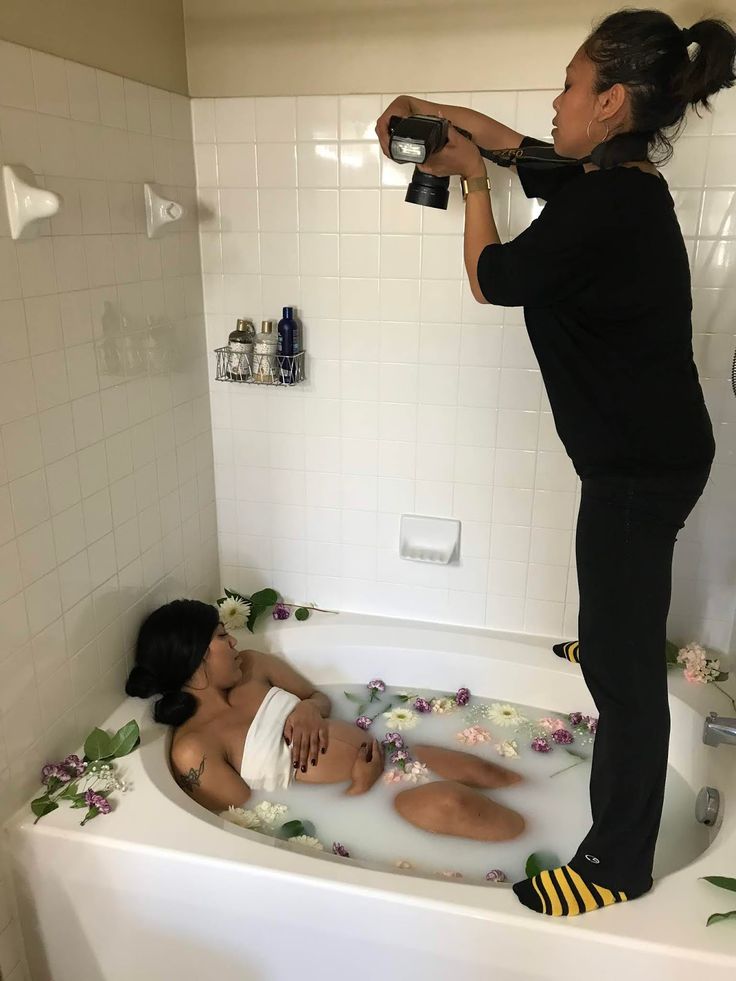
469	184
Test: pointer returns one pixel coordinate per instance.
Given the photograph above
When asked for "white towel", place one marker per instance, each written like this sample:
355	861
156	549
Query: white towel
266	757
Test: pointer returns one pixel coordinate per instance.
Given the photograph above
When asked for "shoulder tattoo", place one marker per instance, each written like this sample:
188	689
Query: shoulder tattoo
190	781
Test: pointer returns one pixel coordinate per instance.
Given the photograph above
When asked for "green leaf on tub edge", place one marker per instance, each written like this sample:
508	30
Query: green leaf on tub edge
302	613
539	861
125	739
715	917
43	805
722	881
98	745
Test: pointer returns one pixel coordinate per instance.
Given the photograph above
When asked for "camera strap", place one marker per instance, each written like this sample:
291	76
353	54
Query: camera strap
620	149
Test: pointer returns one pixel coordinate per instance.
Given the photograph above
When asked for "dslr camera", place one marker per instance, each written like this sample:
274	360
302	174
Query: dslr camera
412	140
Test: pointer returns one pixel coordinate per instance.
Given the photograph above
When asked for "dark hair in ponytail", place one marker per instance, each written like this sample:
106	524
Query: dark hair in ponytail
171	644
648	53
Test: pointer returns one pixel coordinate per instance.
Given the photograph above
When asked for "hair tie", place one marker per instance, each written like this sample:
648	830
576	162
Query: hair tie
687	36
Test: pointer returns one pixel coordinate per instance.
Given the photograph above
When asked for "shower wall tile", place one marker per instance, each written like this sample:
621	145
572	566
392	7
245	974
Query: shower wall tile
104	416
419	399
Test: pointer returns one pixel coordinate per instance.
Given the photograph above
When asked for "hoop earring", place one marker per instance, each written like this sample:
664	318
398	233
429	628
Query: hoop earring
607	130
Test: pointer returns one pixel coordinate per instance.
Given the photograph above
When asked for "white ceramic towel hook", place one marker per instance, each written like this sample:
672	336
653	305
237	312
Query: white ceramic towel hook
27	203
160	211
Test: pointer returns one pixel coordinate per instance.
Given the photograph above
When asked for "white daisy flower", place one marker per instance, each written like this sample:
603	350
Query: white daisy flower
270	813
241	817
234	613
308	841
504	715
401	718
508	748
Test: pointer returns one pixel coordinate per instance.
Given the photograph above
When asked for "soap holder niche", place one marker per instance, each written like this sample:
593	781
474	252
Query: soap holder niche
160	211
27	203
426	539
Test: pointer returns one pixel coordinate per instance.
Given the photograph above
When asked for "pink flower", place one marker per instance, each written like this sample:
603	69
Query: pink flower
364	722
473	734
92	799
563	737
552	724
540	745
376	685
422	705
392	776
463	696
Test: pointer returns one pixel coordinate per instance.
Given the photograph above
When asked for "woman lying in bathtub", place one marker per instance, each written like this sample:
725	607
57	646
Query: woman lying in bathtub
244	720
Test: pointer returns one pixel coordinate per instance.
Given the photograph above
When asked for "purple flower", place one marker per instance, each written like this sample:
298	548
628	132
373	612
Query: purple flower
592	724
463	696
376	685
540	745
280	612
563	737
422	705
400	757
54	770
393	739
91	799
364	722
74	765
496	875
338	849
575	718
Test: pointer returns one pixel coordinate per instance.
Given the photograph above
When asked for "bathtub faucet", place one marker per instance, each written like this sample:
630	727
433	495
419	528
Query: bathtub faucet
718	729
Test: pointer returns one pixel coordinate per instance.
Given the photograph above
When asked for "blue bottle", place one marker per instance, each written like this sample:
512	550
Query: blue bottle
289	345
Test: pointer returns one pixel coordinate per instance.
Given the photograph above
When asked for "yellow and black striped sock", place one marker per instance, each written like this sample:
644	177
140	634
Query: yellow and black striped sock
562	892
569	651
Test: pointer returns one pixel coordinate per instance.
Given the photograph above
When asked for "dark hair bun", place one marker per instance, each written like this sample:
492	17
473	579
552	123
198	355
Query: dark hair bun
174	708
141	683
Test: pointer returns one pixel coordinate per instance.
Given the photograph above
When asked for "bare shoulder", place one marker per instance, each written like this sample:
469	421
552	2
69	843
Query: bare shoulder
190	750
254	665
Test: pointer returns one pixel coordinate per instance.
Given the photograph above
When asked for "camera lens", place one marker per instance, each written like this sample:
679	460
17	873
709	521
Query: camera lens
424	189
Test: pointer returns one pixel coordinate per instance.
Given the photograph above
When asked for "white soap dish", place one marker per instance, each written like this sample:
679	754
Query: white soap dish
160	211
27	203
426	539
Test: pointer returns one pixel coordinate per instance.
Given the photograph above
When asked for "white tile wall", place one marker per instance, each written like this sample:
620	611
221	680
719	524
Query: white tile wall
106	491
418	398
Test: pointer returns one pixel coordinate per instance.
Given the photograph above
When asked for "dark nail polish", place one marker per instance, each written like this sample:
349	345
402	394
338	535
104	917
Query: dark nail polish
304	769
296	766
314	762
324	750
288	743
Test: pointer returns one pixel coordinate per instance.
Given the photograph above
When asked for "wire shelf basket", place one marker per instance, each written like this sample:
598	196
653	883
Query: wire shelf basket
259	369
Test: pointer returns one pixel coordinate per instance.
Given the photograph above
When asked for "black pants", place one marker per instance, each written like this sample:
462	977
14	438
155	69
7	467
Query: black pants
626	532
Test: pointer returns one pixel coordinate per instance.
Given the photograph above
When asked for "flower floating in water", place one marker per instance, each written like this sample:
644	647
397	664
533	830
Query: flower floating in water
393	776
400	756
507	748
552	724
540	745
308	841
473	735
495	875
503	714
452	875
422	705
364	722
563	737
401	718
576	718
462	696
393	740
443	705
376	685
592	723
341	850
241	817
270	813
280	612
416	772
401	863
234	611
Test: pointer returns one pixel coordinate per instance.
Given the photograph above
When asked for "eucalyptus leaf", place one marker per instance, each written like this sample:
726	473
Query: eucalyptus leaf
125	739
292	829
302	613
69	792
722	881
539	861
98	745
721	916
43	805
79	801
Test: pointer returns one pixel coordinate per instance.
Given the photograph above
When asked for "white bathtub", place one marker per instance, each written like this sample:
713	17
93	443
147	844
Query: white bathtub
161	889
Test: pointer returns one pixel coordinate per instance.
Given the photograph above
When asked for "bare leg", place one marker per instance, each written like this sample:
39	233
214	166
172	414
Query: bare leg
450	808
465	767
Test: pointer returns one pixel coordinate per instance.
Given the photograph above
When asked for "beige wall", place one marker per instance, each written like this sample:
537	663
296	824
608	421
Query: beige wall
140	39
320	47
